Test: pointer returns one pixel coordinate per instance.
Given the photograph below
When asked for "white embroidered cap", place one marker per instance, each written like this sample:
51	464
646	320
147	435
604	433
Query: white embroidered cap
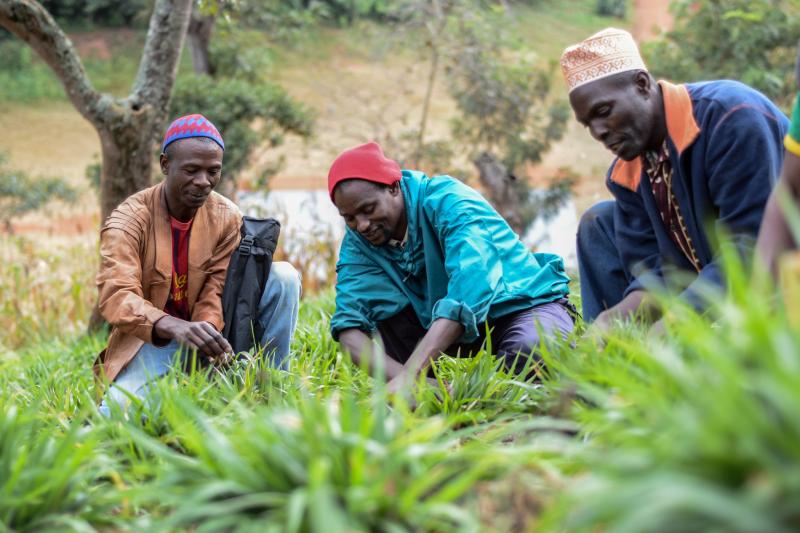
605	53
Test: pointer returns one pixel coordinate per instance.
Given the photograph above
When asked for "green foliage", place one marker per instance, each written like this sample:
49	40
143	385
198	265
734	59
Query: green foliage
24	77
345	12
50	477
99	12
20	194
246	114
693	431
752	41
612	8
505	107
278	14
239	53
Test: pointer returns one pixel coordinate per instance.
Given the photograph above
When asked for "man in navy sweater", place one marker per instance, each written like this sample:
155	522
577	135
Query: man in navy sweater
694	163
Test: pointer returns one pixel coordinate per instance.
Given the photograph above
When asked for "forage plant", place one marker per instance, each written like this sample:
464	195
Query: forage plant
695	429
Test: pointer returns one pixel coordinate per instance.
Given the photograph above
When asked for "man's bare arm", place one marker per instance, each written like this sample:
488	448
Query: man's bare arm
359	345
775	237
635	302
441	335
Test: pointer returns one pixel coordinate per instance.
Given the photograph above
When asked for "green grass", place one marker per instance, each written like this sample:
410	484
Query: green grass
26	79
549	26
693	431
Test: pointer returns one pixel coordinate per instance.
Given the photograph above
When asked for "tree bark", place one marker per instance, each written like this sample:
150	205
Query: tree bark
128	127
199	39
500	188
434	33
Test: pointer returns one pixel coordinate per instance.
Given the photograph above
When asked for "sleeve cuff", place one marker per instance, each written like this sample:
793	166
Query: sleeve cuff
791	145
145	330
457	312
337	328
646	281
212	318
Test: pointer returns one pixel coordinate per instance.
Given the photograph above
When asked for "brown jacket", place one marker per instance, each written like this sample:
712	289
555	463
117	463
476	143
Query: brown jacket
136	269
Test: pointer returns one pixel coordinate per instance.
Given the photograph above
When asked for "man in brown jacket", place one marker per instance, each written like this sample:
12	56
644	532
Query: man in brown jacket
165	253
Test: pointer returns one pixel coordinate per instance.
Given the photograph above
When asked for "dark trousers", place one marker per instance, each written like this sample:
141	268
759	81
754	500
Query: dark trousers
602	275
514	337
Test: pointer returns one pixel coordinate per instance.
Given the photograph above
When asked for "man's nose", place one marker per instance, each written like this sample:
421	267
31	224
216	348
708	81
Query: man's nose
598	130
203	179
362	224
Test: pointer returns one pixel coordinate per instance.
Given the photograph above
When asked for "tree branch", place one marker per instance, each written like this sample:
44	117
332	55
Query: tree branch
162	50
29	21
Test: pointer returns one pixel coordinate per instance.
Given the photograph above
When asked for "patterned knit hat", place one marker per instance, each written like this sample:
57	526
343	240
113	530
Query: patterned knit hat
365	162
605	53
191	126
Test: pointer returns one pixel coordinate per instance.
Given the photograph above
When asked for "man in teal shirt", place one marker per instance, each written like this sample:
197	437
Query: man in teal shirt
428	264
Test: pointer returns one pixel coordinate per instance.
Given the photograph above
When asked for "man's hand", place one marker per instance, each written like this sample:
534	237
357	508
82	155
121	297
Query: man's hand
440	336
201	336
602	324
399	383
658	329
360	347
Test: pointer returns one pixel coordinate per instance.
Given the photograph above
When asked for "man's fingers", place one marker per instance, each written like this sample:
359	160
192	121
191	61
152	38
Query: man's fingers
217	342
200	340
227	345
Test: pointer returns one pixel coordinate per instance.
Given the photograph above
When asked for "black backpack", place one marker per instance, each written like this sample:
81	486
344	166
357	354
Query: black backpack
247	276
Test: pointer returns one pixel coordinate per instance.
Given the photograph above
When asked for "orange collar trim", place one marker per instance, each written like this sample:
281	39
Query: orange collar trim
682	128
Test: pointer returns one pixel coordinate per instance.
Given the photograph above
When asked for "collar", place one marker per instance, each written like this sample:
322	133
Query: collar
394	243
201	247
682	129
654	158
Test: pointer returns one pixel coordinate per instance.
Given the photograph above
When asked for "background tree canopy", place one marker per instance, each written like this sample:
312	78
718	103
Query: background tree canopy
753	41
248	113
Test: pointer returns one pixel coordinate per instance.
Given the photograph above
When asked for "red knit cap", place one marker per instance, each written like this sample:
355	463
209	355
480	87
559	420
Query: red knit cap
365	162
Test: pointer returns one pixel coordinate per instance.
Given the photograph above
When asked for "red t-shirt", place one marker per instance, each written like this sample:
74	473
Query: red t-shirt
177	305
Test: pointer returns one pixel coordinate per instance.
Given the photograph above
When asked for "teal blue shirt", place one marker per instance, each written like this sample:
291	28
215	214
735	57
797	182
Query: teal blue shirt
460	261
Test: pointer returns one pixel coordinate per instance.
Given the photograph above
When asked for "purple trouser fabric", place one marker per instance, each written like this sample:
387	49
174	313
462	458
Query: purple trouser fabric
514	337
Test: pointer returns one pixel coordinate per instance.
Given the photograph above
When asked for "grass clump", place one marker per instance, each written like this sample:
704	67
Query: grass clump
51	477
695	430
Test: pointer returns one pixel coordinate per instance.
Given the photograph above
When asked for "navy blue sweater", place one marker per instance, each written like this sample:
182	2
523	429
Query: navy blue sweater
726	149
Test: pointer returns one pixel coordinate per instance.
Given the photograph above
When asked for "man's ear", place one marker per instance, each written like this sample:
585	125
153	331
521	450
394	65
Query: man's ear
164	161
394	188
643	82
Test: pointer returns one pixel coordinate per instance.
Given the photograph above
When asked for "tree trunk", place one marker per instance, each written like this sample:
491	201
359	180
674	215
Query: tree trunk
199	38
500	187
128	127
128	148
426	104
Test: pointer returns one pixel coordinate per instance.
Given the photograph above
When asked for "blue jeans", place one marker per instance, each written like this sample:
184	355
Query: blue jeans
277	313
603	277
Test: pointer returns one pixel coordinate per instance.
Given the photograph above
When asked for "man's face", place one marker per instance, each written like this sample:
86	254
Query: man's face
619	112
192	168
373	210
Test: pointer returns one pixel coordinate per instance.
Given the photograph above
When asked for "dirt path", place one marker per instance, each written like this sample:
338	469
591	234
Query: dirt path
651	18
